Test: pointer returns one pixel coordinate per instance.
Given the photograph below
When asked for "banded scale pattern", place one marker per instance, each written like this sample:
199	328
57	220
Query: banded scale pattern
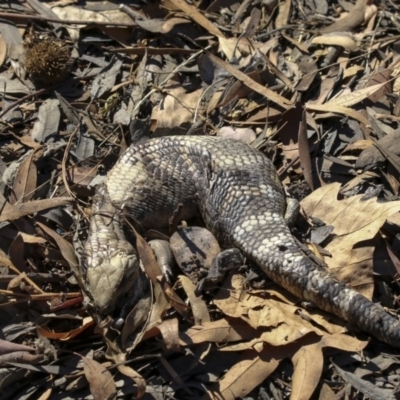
236	190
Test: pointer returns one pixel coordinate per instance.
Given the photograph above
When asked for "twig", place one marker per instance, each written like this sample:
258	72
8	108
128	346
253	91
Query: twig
22	99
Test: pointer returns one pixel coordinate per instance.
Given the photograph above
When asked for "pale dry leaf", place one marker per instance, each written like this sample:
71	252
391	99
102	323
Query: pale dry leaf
350	99
352	70
327	393
13	86
343	342
198	17
66	248
252	369
232	47
24	184
47	122
336	109
361	144
354	222
169	330
245	135
3	50
177	108
136	377
283	14
341	39
308	363
280	322
252	84
159	25
87	16
220	331
395	73
10	212
15	282
101	382
10	347
350	21
199	307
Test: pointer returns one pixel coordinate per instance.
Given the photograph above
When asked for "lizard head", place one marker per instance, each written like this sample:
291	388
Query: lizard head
108	275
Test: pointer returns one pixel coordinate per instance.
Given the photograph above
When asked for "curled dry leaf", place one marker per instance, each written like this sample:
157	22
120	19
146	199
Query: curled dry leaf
87	322
280	322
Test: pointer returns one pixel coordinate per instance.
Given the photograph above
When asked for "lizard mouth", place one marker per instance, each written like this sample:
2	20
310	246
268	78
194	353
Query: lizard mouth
109	279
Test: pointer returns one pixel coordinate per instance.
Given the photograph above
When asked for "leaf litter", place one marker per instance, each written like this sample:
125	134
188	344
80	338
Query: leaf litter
315	86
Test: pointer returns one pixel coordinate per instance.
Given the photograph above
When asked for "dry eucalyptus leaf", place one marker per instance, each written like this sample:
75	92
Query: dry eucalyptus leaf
220	331
177	108
10	212
349	99
353	19
101	382
280	322
199	307
338	109
355	222
308	362
24	184
337	39
252	369
198	17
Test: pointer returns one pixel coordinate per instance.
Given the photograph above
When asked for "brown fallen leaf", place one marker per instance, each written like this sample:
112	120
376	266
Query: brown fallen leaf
87	322
10	347
177	107
342	39
199	307
242	77
338	109
355	222
353	19
24	184
198	17
283	14
12	212
308	362
66	248
20	357
259	311
252	369
101	382
136	377
220	331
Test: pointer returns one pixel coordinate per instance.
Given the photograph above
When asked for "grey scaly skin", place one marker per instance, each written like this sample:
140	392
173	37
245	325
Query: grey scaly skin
236	190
